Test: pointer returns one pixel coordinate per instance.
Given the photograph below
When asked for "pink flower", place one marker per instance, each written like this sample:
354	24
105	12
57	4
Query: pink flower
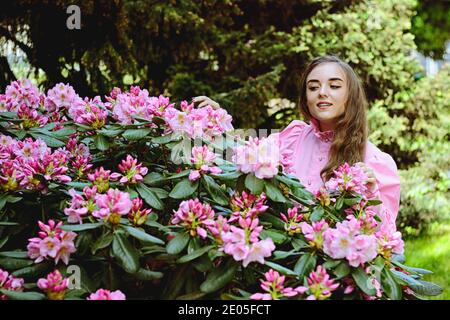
30	117
80	204
348	178
202	159
52	243
60	96
274	285
292	221
219	227
319	286
8	282
54	285
100	178
22	93
112	205
103	294
389	242
247	205
314	232
347	241
132	172
90	112
260	156
244	244
194	216
138	215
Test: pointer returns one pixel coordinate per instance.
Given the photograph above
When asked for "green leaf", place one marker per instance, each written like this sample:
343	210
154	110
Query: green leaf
194	255
330	264
255	185
145	274
160	193
427	288
339	203
405	279
125	253
342	270
278	255
102	242
149	196
14	263
299	244
184	189
181	174
214	190
49	141
280	268
136	134
7	223
390	286
178	243
78	185
275	221
362	279
274	193
16	295
81	227
317	213
276	236
219	277
112	133
14	254
101	142
32	271
305	264
162	139
234	175
142	235
153	178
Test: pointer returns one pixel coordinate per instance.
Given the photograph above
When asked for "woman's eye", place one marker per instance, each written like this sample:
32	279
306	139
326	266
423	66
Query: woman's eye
335	87
313	88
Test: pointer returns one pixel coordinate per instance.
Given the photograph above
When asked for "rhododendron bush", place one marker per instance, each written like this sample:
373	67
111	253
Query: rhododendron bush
151	199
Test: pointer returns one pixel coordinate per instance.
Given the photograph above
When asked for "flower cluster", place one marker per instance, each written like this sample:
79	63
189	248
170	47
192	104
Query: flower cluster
314	232
61	96
81	204
348	178
79	157
137	214
347	241
203	122
243	242
125	106
319	286
54	285
30	164
132	171
194	216
203	160
274	286
112	205
100	178
262	157
8	282
52	243
103	294
292	221
90	112
247	205
21	93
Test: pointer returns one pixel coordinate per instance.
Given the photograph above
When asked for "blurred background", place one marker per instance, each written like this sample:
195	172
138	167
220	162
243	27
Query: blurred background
248	55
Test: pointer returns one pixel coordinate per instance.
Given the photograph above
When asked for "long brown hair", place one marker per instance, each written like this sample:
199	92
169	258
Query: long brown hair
350	135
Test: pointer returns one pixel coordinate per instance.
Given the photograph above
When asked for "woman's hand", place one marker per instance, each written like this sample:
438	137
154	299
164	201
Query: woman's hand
371	180
205	101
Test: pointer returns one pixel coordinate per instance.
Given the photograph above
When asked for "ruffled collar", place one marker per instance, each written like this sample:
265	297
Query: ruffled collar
326	136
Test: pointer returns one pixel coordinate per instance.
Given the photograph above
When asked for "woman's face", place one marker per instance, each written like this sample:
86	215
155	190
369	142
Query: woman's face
326	94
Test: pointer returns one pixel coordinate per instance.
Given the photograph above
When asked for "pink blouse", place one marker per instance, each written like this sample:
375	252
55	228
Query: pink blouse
310	148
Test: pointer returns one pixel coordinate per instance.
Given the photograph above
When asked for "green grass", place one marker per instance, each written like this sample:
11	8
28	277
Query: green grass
432	251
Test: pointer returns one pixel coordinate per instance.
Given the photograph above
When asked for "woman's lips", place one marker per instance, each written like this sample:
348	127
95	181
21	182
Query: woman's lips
324	105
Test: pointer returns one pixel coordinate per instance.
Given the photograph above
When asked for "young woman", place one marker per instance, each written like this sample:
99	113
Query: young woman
332	99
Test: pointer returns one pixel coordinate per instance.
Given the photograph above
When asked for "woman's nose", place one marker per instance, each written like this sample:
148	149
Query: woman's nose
323	91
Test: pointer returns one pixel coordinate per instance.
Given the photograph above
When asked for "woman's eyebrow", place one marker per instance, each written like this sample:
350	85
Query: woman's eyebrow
331	79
